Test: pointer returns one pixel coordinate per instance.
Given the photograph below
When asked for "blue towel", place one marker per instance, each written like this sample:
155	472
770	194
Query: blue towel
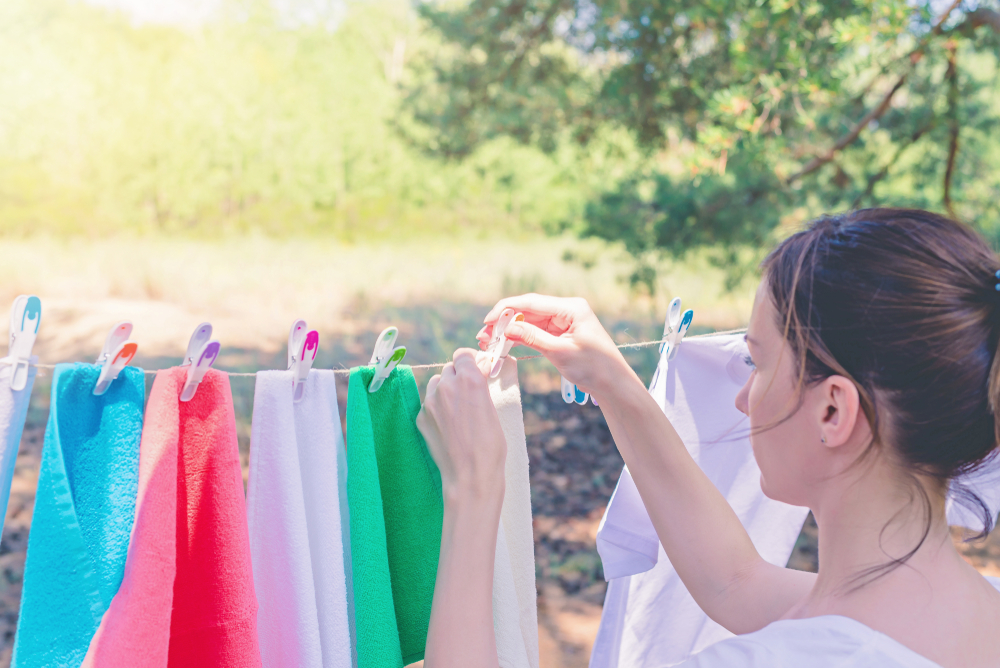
84	509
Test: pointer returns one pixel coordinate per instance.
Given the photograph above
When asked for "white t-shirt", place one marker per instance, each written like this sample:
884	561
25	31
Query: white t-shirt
649	618
830	641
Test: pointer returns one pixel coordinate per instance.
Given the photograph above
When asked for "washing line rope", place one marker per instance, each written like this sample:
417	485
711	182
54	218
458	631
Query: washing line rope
439	365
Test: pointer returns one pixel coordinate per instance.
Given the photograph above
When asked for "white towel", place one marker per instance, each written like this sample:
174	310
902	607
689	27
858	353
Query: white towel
13	411
649	618
293	512
515	613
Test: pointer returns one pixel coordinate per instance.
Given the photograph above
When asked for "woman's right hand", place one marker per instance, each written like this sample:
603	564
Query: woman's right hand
567	332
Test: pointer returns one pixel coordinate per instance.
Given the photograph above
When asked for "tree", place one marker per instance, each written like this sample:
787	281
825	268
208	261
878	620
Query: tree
750	113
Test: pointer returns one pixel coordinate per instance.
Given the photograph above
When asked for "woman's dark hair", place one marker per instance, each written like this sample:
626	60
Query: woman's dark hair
903	303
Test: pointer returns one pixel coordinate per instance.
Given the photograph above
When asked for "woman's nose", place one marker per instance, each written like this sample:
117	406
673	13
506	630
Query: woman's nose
743	398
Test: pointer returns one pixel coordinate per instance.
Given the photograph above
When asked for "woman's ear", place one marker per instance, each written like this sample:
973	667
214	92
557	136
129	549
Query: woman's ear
839	409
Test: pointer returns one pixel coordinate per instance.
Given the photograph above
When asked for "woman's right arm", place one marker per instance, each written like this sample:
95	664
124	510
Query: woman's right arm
699	530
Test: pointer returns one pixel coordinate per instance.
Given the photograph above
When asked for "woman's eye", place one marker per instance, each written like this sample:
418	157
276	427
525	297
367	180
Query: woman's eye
749	362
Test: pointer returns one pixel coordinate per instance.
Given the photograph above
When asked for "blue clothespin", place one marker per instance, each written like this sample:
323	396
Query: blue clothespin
675	326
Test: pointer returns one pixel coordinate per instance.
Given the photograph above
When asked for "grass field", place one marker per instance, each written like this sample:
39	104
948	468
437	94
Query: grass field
251	289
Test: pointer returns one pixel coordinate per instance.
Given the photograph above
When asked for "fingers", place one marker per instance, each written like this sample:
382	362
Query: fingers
464	354
483	361
537	305
528	335
467	360
432	385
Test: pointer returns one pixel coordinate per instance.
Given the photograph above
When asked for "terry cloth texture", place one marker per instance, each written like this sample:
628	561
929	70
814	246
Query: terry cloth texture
293	512
84	508
13	411
394	489
515	614
187	600
649	618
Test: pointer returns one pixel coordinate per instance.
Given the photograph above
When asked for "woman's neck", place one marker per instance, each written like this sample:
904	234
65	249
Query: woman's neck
873	517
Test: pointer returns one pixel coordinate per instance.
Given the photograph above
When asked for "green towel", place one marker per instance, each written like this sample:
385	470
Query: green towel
394	492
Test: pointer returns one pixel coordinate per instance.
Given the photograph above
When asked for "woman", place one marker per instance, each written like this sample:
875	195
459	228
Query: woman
874	338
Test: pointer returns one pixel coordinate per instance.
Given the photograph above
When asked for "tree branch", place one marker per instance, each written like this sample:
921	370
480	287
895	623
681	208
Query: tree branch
879	110
882	173
952	77
872	115
984	17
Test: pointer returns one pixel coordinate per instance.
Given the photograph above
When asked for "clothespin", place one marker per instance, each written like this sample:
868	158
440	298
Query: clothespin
682	330
573	394
499	346
302	348
385	357
116	354
675	326
25	317
201	354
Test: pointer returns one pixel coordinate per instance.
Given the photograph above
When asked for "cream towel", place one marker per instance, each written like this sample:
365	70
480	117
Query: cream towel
515	615
293	512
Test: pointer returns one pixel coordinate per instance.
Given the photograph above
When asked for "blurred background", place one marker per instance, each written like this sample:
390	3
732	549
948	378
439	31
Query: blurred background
361	164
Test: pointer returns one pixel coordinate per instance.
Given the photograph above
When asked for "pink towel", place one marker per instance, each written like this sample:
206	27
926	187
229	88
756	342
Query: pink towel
187	598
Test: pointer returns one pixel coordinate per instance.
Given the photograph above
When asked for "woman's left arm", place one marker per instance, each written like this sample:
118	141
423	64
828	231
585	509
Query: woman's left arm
462	430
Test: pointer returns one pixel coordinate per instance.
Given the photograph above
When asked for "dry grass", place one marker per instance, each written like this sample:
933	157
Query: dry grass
251	289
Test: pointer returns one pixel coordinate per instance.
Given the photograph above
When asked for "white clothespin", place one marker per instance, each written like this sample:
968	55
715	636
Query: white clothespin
302	348
118	351
499	346
200	356
675	326
25	317
385	357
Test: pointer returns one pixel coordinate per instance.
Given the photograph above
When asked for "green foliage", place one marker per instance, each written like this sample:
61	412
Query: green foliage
250	122
750	115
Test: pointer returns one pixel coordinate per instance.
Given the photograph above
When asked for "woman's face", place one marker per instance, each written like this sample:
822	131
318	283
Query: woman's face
785	438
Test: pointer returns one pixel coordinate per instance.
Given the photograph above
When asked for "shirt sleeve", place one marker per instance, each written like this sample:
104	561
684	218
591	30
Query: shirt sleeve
738	652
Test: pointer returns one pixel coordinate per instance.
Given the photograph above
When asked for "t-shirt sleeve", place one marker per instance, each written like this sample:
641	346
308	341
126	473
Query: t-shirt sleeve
738	652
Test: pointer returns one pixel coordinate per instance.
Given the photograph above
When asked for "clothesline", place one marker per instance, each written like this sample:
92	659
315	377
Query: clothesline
438	365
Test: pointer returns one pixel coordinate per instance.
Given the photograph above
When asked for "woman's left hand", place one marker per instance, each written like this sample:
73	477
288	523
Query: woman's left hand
462	430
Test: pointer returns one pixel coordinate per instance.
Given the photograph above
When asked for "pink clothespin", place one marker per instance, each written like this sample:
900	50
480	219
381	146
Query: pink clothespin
118	351
302	348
